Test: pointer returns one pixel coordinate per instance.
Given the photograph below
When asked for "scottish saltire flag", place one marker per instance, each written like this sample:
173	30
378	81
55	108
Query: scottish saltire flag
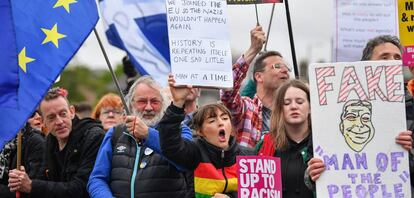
140	28
37	40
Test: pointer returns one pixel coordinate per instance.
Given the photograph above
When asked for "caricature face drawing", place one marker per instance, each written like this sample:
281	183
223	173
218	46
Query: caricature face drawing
356	124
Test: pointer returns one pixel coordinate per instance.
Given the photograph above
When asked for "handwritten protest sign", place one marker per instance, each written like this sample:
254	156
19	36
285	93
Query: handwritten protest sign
259	176
406	22
199	43
252	1
357	21
357	111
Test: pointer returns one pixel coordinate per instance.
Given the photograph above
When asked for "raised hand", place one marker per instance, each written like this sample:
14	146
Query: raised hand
179	94
257	39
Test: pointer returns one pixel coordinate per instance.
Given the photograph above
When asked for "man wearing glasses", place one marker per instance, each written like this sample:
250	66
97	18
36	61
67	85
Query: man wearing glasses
251	116
124	167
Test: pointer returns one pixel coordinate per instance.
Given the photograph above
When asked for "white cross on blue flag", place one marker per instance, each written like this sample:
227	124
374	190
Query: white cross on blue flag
140	28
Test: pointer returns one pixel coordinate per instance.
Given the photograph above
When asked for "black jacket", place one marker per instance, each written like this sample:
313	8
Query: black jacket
82	146
191	154
294	163
153	175
409	116
33	147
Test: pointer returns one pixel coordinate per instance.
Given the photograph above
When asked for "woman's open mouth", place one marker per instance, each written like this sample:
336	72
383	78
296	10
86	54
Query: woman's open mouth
222	135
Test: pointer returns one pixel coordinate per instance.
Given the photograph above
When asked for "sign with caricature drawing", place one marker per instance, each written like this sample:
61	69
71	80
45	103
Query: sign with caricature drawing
357	111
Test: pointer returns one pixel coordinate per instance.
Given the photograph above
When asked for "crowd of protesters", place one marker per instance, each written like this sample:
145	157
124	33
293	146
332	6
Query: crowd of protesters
168	146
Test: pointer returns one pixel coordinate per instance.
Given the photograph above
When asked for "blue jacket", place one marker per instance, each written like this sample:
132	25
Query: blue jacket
98	184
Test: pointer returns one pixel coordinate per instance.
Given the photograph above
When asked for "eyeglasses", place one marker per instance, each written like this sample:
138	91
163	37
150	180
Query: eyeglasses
144	102
279	66
106	112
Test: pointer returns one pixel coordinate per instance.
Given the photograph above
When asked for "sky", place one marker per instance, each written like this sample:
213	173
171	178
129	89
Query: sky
312	24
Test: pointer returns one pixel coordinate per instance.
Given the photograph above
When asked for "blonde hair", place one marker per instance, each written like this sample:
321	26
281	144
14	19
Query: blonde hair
277	121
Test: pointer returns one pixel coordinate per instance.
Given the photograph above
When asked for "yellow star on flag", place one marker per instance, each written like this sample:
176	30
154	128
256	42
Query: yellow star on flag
52	35
65	4
23	59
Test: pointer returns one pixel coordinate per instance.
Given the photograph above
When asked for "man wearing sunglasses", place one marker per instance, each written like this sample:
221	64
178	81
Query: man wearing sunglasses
270	70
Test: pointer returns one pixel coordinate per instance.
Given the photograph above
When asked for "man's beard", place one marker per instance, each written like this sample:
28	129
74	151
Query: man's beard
149	122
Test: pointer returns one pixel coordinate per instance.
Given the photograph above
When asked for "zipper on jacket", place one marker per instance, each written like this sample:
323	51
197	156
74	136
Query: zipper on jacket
224	173
135	170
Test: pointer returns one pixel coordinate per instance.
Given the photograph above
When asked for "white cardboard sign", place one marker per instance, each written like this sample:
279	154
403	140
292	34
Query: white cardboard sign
199	43
357	111
357	21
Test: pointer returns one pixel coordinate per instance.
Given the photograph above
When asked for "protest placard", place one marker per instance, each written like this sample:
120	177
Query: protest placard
199	43
357	21
357	112
259	176
406	22
252	1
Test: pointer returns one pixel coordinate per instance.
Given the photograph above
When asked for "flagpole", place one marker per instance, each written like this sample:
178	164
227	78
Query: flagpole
268	29
19	156
292	43
111	71
257	14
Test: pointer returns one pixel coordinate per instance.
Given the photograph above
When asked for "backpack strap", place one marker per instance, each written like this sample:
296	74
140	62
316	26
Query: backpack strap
118	130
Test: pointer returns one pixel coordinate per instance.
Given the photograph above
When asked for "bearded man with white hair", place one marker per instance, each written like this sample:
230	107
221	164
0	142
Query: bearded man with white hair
125	165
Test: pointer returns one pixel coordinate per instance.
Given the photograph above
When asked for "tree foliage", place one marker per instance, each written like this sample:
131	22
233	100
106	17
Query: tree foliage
84	84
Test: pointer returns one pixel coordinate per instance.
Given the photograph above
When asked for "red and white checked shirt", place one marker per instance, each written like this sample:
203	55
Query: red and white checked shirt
246	112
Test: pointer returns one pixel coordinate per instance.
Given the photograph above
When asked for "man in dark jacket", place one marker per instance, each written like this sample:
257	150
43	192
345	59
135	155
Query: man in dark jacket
33	147
71	150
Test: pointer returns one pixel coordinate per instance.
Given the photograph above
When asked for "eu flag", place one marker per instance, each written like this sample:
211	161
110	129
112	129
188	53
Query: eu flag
37	40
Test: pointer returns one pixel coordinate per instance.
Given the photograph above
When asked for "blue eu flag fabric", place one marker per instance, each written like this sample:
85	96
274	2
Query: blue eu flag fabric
37	40
140	28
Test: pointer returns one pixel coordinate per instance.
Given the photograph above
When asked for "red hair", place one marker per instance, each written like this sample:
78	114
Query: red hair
108	100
